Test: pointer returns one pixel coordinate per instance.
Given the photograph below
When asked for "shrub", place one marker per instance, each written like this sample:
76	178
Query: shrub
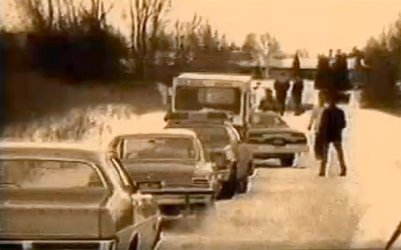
72	42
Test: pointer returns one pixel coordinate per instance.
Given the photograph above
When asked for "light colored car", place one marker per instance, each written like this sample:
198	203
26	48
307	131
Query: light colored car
66	196
270	137
169	164
223	146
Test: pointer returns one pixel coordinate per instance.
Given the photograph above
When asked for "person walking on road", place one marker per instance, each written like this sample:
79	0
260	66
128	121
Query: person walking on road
281	88
332	123
296	94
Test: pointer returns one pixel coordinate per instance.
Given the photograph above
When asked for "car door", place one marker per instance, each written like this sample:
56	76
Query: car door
145	209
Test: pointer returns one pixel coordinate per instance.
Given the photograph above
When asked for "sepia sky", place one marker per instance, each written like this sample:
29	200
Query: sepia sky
316	25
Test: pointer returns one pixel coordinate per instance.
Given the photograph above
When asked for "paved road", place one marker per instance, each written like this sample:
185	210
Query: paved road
293	208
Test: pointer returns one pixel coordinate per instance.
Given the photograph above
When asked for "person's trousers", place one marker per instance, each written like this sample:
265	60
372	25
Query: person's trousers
297	101
281	104
323	155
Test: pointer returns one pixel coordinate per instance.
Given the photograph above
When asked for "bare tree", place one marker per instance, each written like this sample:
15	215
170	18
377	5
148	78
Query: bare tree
148	18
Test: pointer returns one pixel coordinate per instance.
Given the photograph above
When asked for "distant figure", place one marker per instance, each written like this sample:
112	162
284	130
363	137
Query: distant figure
296	94
254	95
332	124
268	103
281	89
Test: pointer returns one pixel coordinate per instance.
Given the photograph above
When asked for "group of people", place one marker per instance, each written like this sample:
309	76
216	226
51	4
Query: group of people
278	104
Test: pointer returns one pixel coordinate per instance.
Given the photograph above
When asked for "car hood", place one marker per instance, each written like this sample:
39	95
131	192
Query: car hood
51	214
171	173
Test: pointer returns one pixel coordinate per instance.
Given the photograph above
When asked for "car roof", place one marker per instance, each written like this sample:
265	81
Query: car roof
211	76
163	132
42	150
197	124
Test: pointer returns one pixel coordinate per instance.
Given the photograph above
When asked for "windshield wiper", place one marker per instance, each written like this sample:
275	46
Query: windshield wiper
394	237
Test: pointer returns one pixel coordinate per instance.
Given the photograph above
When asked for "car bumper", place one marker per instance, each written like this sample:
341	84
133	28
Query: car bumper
59	244
264	152
177	203
181	195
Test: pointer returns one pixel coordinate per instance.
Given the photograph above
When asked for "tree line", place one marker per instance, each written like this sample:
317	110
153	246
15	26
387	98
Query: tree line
68	39
383	55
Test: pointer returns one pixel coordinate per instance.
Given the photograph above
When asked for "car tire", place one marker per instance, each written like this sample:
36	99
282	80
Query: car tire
243	185
287	161
229	188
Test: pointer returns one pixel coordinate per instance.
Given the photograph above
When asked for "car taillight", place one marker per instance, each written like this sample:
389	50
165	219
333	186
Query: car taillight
201	182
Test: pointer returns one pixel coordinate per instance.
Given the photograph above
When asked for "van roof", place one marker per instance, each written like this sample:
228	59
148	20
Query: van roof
213	76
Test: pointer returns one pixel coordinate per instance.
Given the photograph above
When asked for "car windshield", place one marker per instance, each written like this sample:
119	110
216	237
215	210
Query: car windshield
267	121
199	98
159	148
48	174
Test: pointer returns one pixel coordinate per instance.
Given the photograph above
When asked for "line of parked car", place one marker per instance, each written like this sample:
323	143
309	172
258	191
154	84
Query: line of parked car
59	196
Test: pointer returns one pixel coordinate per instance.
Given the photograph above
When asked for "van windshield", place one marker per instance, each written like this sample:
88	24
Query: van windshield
198	98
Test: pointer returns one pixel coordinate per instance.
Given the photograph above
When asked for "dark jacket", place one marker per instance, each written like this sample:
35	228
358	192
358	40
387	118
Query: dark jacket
281	90
297	88
332	123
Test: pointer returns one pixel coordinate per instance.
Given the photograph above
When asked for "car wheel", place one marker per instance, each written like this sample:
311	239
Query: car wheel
243	185
229	188
287	161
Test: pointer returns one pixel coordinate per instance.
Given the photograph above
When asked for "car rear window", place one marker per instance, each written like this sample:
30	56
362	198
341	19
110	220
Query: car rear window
48	174
212	136
159	148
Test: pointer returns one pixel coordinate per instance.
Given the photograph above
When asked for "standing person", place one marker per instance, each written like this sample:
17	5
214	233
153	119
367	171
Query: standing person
332	124
281	87
314	125
268	103
296	94
254	95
